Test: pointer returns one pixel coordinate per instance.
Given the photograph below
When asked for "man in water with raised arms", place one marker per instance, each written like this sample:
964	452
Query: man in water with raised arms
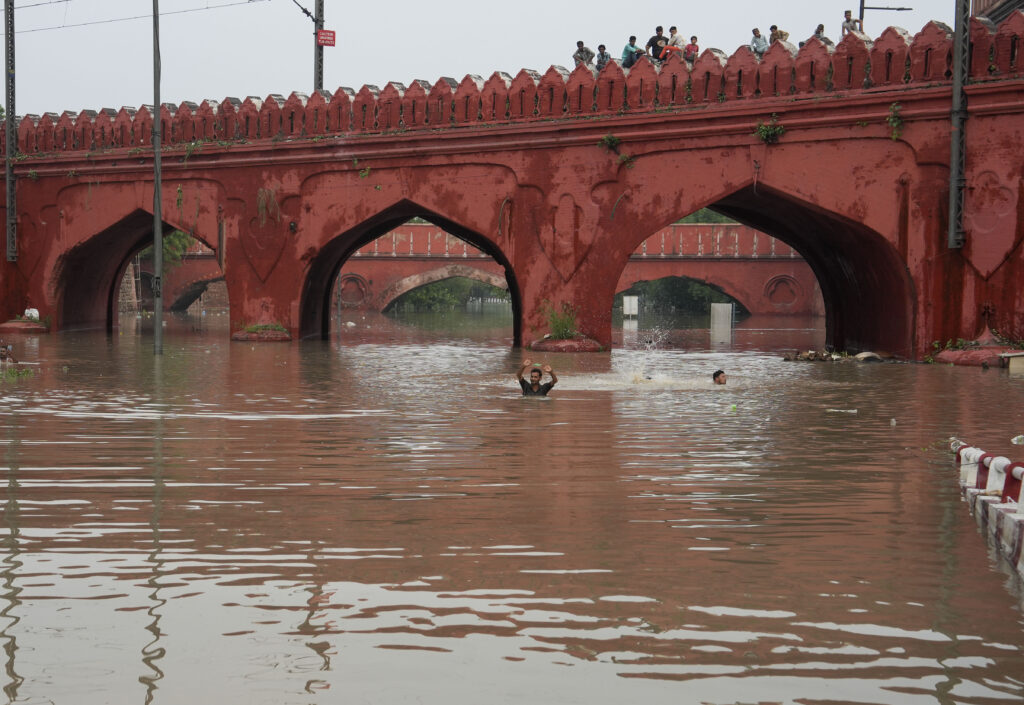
534	388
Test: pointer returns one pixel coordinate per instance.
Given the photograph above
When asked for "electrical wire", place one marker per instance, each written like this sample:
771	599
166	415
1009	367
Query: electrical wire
40	4
135	17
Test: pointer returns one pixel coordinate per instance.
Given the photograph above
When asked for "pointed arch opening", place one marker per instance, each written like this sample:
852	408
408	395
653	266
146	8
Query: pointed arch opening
106	276
398	251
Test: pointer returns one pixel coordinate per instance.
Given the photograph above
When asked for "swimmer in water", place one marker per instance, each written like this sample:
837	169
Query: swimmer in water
6	353
534	388
718	377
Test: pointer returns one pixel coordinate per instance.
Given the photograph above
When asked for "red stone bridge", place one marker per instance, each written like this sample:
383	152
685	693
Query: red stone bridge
560	177
763	274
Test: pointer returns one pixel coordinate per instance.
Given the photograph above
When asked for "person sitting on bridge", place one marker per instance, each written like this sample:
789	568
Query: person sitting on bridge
850	24
692	51
758	44
718	377
603	57
534	388
631	52
675	45
657	43
582	55
777	35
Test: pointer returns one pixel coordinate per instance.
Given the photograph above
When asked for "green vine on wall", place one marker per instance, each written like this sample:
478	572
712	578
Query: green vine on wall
895	121
769	132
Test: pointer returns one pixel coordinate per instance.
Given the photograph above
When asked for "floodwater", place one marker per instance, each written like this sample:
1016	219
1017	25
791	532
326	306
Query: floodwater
382	518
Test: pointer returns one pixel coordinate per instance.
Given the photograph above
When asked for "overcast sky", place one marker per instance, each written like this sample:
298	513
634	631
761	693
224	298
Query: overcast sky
238	48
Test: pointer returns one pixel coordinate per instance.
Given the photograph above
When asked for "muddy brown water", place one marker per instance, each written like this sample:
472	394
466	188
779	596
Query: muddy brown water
381	518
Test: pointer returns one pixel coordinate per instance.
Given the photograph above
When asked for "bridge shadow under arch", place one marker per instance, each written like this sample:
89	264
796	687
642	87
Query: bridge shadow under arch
677	279
315	305
88	276
866	288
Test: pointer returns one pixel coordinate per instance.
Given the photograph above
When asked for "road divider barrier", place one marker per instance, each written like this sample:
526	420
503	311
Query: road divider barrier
991	486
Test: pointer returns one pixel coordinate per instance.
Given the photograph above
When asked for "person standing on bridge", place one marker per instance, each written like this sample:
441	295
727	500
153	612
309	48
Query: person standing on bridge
534	388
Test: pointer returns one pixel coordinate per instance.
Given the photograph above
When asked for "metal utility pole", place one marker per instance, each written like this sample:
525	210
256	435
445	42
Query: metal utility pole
158	220
12	135
318	49
958	144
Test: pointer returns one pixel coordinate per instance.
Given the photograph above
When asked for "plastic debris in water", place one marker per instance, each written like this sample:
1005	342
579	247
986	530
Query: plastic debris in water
892	422
841	411
1017	440
732	407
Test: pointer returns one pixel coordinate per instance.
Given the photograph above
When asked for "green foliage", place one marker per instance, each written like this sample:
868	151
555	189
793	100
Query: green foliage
610	142
706	215
446	295
679	294
769	132
191	148
176	244
561	320
364	172
895	121
17	373
264	327
1010	340
628	160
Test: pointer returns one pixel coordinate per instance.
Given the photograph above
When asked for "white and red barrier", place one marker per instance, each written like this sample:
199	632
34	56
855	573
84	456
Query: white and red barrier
991	485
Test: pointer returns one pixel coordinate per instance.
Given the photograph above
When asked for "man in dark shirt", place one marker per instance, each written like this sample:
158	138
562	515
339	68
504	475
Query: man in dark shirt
534	388
656	44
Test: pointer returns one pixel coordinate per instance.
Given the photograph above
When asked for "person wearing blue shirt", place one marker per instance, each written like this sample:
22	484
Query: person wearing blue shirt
631	53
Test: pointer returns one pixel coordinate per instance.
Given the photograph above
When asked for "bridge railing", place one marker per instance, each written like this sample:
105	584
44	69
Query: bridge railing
685	240
857	63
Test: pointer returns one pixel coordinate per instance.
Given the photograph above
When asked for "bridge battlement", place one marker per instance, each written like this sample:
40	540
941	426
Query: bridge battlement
856	64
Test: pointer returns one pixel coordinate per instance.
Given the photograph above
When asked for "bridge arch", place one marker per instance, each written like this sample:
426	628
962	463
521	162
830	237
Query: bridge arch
415	281
866	288
315	304
100	242
188	294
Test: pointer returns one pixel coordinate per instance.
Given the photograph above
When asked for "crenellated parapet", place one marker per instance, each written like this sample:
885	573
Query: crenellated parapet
857	63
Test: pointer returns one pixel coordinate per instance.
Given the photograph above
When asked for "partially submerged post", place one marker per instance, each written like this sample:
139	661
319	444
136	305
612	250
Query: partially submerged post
721	324
158	225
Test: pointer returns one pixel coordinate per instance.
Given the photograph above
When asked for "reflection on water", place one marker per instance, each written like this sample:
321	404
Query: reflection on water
382	518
